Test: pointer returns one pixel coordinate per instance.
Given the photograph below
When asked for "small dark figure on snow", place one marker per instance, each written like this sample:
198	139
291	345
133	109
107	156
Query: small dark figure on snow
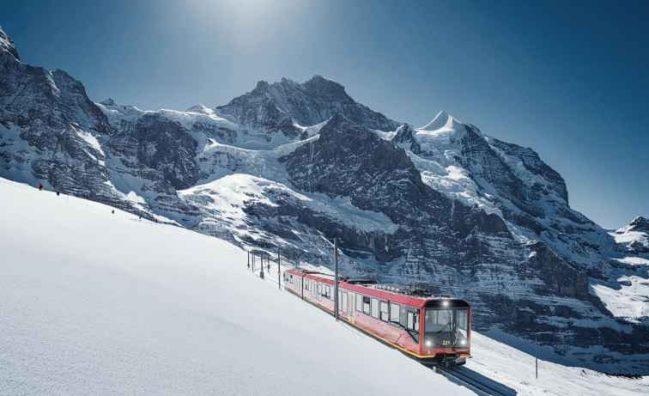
40	186
58	193
112	211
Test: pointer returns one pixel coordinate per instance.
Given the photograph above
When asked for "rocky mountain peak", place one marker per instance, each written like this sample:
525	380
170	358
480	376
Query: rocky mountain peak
276	106
262	86
442	120
321	86
7	45
405	137
640	224
404	132
201	109
318	79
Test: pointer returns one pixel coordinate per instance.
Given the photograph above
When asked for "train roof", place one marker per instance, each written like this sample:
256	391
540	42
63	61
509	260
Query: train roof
416	295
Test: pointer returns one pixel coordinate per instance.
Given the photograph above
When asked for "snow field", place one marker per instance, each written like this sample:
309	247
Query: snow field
99	303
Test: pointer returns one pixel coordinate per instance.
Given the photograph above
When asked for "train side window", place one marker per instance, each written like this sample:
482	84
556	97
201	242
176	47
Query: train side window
366	305
385	315
411	321
375	308
359	303
394	312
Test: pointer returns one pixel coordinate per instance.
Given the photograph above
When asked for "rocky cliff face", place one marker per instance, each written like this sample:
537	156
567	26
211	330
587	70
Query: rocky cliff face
292	165
279	106
51	131
163	146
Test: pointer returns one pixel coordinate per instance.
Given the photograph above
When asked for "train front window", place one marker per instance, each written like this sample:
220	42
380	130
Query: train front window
446	327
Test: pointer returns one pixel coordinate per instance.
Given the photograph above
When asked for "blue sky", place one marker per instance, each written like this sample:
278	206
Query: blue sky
567	78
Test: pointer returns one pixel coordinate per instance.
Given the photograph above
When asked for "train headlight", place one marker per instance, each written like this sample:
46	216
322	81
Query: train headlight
428	343
463	342
445	303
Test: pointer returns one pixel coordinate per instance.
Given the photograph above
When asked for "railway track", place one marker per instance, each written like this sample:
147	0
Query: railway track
475	381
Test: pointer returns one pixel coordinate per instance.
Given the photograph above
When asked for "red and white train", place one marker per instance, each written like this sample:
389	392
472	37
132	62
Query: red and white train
433	330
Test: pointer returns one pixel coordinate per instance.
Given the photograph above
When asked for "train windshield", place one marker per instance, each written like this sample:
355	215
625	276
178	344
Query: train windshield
446	327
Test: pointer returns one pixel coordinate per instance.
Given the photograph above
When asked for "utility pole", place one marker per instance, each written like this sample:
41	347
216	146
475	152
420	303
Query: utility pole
279	278
248	258
261	273
536	358
336	278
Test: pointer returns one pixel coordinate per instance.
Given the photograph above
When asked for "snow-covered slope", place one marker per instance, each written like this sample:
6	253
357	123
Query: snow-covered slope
98	303
516	369
95	302
635	235
627	294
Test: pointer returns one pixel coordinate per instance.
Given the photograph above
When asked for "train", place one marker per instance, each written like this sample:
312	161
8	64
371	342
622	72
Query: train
436	331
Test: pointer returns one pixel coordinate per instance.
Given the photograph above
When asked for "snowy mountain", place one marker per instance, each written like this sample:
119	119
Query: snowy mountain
51	131
156	316
286	106
635	235
293	165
